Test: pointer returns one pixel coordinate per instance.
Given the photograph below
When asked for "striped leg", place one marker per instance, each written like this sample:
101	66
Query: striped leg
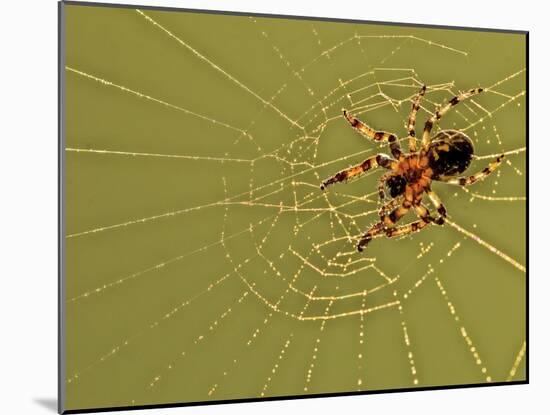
423	213
412	119
440	220
386	220
406	229
376	229
355	171
380	136
393	217
442	111
468	180
382	184
389	206
425	219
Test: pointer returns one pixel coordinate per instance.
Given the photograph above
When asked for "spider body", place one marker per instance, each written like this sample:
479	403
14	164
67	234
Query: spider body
412	175
441	158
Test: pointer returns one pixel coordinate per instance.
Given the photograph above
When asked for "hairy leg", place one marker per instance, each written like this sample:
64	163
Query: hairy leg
382	183
389	206
406	229
379	136
425	220
440	207
468	180
355	171
412	119
442	111
386	221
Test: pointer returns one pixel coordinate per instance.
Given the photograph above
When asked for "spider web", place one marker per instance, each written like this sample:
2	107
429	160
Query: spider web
220	270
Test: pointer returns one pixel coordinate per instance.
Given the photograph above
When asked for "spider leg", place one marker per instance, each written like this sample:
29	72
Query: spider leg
354	171
412	119
406	229
442	111
423	213
425	219
376	229
395	215
382	183
436	201
389	206
379	136
386	221
468	180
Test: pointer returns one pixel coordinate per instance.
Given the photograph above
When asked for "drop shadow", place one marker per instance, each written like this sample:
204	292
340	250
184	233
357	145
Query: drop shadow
48	403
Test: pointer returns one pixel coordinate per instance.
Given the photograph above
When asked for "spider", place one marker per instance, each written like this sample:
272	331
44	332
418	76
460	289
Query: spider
442	158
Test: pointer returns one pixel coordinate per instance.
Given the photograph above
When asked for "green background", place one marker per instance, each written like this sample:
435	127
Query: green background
248	208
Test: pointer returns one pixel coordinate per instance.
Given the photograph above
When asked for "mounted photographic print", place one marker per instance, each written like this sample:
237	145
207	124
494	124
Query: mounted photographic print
270	207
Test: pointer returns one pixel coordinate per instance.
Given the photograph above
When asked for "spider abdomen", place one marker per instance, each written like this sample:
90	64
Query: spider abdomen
450	153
